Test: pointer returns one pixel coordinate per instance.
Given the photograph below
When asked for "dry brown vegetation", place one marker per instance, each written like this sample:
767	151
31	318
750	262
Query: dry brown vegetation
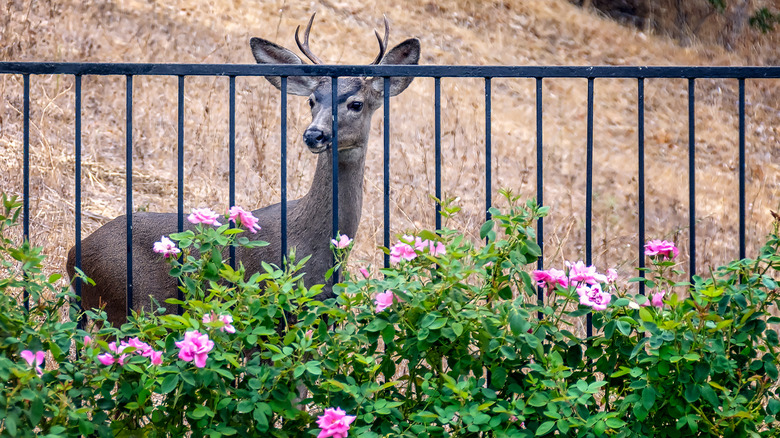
512	32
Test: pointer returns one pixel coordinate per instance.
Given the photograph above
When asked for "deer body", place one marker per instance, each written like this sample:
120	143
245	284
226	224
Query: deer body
309	221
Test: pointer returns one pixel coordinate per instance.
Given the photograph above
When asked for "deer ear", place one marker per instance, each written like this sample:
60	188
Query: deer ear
406	53
266	52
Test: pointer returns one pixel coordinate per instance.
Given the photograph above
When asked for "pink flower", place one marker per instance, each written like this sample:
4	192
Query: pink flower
383	300
419	244
612	275
658	299
141	348
334	423
593	296
227	320
156	357
342	243
665	249
246	218
87	340
436	249
401	251
550	278
195	346
106	358
166	247
578	272
35	360
308	334
204	216
364	272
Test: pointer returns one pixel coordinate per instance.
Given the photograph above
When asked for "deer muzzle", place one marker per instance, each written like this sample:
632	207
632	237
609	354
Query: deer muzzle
317	140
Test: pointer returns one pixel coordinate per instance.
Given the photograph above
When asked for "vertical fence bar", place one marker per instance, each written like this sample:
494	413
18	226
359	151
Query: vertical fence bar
640	102
129	189
26	173
180	160
77	189
334	91
232	156
180	171
488	151
589	196
741	168
692	172
386	201
539	185
437	145
283	165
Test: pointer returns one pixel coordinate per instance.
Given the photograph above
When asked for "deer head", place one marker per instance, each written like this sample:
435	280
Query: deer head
358	98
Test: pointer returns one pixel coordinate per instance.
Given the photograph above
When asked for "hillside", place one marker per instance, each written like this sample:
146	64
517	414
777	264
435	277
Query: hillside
513	32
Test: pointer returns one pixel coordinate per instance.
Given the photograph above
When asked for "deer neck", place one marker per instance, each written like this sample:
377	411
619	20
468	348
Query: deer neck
317	205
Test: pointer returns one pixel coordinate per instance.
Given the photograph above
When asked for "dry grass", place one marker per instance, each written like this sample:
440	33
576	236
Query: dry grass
512	32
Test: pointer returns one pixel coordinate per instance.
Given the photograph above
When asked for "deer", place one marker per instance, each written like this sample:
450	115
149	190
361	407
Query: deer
309	219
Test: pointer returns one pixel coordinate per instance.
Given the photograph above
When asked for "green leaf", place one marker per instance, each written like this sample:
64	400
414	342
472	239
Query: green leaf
773	406
648	397
486	228
516	323
615	423
645	314
245	406
624	328
10	423
169	383
261	419
457	328
508	352
538	400
692	393
545	427
36	411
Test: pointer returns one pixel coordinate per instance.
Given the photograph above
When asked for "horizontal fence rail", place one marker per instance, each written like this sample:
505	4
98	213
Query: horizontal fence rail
539	73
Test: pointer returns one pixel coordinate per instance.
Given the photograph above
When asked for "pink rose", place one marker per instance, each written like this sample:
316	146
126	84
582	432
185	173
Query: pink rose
227	320
342	242
665	249
579	273
106	358
436	249
658	299
204	216
35	360
402	251
550	278
246	218
383	300
195	346
156	357
594	297
364	272
334	423
166	247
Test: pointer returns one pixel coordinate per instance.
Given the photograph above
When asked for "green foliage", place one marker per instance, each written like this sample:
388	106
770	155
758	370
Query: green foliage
467	348
764	20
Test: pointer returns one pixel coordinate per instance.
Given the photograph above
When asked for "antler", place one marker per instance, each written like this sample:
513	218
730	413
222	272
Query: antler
382	44
316	60
305	46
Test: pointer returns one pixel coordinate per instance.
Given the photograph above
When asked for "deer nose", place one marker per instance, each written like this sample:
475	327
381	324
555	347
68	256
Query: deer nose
315	138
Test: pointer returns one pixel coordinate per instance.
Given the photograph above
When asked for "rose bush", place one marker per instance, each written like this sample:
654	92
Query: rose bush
454	338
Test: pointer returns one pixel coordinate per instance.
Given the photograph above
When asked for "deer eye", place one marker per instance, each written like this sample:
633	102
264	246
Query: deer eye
355	106
311	103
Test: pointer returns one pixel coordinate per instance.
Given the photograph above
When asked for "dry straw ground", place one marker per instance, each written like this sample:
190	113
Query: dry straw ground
511	32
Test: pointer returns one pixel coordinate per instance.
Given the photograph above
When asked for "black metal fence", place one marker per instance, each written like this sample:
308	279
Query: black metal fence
78	70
